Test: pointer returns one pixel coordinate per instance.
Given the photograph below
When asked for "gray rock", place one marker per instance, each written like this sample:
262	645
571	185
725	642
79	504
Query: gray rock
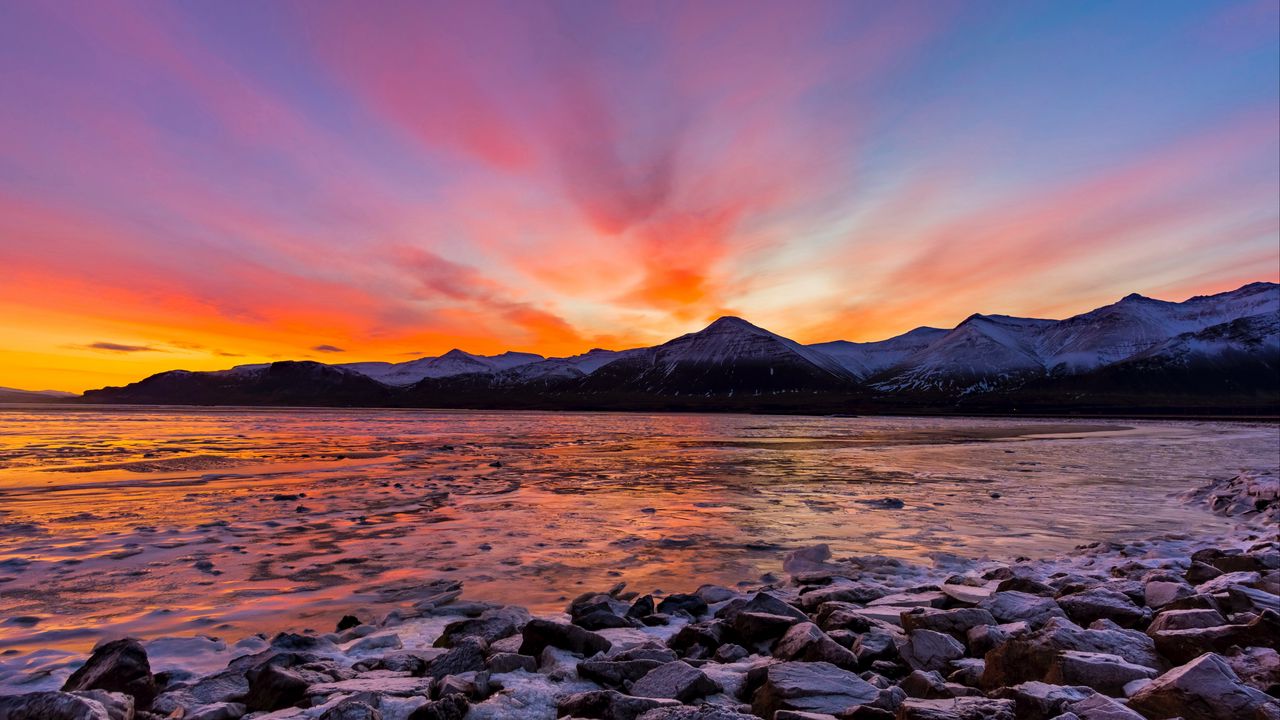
955	623
705	712
1162	592
1102	602
1107	674
1204	689
492	625
467	655
609	705
1101	707
217	711
118	666
452	707
1013	606
677	680
929	650
1030	657
965	708
1185	620
1181	646
810	687
616	673
807	643
1258	668
350	709
539	633
51	706
1042	701
511	662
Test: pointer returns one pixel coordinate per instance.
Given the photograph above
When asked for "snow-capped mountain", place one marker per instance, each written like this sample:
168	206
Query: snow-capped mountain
454	362
1212	351
729	355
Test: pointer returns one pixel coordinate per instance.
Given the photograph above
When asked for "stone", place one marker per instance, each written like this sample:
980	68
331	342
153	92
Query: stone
810	687
1014	606
1258	668
1102	602
511	662
806	642
616	673
1181	646
677	680
53	706
929	650
756	627
1159	593
966	594
965	708
1031	656
1101	707
467	655
1042	701
700	639
1204	689
217	711
843	592
929	598
492	625
955	623
691	605
609	705
1185	620
347	622
763	602
1107	674
273	687
118	666
876	645
350	709
451	707
705	712
925	685
539	633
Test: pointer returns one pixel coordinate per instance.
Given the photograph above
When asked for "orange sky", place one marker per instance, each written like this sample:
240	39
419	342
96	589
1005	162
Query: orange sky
201	186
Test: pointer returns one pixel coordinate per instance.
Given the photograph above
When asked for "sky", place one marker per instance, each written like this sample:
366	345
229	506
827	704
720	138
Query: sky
203	184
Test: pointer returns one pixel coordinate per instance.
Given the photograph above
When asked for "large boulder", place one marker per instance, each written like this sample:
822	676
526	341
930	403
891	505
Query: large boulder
1204	689
807	643
1107	674
929	650
1013	606
1186	620
616	673
963	708
1030	657
677	680
66	706
1180	646
274	687
955	623
537	634
1042	701
118	666
493	624
466	655
609	705
810	687
1101	707
1103	603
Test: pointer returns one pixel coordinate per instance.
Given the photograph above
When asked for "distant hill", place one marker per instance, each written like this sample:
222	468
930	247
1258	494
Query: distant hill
1217	353
14	395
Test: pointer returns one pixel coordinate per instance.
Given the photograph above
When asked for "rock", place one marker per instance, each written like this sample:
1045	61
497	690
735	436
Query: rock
375	642
1201	572
616	673
347	622
876	645
118	666
54	706
492	625
1101	707
350	709
930	598
966	594
929	650
1014	606
467	655
1042	701
1102	602
538	634
926	686
676	680
984	638
222	687
955	623
1107	674
273	687
705	712
699	640
1181	646
1204	689
756	627
965	708
1185	620
763	602
842	592
511	662
1258	668
1031	656
1159	593
691	605
217	711
806	642
730	653
451	707
810	687
609	705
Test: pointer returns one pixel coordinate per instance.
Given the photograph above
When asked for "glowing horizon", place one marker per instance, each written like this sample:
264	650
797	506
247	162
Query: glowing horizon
198	186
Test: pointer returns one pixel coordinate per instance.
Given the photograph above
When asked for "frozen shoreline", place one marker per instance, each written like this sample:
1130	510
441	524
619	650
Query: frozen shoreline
986	629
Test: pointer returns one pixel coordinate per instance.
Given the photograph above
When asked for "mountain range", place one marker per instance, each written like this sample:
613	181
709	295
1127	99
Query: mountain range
1215	353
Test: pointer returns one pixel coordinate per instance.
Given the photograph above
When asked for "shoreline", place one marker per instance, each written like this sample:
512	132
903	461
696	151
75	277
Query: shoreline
769	649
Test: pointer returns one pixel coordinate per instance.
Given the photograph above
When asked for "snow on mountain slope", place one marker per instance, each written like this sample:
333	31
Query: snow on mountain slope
865	359
980	352
454	362
731	338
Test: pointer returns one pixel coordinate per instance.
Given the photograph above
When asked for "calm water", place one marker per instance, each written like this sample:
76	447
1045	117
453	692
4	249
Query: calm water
163	521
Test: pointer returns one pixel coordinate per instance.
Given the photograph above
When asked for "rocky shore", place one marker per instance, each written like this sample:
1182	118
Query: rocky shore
1174	627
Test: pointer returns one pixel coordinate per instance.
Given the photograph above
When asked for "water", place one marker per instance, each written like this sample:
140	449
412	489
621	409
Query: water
155	521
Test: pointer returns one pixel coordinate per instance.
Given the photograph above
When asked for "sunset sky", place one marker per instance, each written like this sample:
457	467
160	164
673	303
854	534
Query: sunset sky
203	184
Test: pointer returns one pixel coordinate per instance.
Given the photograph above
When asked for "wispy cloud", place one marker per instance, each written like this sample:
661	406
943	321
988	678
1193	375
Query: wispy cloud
121	347
327	348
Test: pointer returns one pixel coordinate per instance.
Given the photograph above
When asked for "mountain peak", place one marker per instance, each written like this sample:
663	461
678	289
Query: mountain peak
457	353
730	322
